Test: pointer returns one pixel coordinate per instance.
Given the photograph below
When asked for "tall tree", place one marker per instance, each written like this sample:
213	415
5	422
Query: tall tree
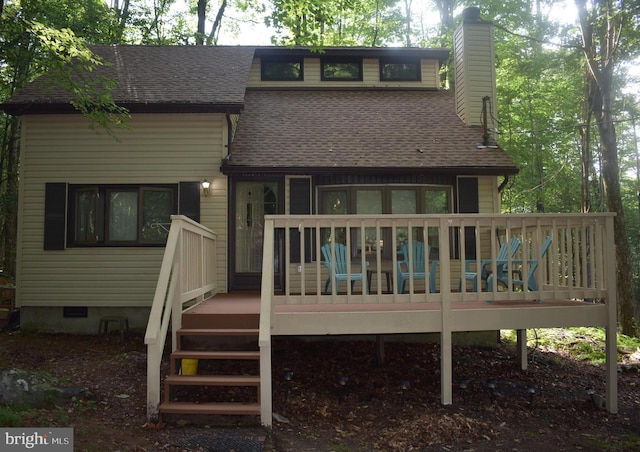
320	23
602	27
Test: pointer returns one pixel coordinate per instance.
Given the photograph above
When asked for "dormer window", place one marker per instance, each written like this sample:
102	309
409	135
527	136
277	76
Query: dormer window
399	70
341	69
282	69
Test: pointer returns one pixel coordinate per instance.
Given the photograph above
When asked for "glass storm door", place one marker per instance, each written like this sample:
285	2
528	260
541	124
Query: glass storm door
253	200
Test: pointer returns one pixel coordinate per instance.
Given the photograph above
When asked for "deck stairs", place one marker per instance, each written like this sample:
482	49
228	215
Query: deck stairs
227	382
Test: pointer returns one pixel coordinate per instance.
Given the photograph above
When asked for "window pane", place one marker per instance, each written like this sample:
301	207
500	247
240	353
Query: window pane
369	202
157	206
123	216
400	71
436	201
254	200
404	201
333	202
341	70
281	70
88	224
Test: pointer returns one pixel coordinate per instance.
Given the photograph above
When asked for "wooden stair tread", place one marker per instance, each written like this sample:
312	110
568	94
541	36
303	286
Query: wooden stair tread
210	408
218	332
202	354
213	380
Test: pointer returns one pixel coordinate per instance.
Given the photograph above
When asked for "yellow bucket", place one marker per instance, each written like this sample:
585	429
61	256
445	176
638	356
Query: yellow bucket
189	367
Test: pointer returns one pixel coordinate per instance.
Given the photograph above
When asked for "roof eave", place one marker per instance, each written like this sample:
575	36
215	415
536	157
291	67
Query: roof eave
440	54
297	170
67	108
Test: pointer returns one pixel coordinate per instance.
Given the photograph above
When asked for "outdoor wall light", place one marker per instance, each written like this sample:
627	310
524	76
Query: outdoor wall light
206	187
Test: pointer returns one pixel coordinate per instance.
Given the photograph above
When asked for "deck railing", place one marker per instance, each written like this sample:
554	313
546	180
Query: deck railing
187	274
566	259
574	266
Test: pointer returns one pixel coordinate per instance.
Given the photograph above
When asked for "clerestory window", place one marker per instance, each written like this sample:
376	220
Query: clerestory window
400	70
282	69
341	69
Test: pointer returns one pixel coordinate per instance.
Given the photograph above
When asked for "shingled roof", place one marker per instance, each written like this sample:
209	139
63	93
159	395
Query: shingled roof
373	131
155	79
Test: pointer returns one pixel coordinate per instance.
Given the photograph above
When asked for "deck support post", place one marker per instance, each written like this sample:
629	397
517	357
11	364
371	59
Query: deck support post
153	382
446	368
446	347
521	345
611	334
380	357
266	390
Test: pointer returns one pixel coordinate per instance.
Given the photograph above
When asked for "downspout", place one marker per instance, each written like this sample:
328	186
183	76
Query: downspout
504	183
229	136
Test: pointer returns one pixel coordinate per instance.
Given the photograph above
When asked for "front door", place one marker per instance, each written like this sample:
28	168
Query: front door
251	201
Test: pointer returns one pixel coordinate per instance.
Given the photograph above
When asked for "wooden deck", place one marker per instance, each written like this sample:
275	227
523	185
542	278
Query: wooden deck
467	316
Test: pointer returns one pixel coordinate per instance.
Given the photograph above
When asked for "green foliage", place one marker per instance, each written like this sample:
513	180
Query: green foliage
71	65
583	344
319	23
9	417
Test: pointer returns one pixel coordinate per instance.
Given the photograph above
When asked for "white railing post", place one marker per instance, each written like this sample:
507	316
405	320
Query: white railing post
264	335
446	346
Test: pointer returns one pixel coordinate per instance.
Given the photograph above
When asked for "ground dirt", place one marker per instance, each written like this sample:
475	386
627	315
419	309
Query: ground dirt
370	412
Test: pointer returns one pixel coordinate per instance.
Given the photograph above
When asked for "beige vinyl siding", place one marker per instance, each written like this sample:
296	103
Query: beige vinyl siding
158	149
370	76
475	70
488	197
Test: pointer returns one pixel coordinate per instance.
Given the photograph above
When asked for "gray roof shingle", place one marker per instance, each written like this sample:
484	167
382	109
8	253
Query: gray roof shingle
155	76
340	130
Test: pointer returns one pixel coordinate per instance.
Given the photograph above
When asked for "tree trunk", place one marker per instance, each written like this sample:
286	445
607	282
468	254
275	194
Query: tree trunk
611	179
202	16
215	28
600	39
585	144
10	207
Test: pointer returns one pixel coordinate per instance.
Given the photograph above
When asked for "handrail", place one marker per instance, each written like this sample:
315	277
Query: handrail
574	267
187	273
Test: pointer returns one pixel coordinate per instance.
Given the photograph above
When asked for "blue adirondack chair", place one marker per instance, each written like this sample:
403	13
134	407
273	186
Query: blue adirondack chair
485	264
530	279
419	266
339	265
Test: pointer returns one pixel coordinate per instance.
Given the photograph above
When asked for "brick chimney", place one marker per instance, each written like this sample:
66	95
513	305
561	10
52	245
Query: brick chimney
475	73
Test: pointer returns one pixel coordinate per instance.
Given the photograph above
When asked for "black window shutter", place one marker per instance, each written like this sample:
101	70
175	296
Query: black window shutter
189	200
55	213
468	203
300	204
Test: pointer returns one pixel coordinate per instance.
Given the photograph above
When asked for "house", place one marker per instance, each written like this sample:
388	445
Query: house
262	154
